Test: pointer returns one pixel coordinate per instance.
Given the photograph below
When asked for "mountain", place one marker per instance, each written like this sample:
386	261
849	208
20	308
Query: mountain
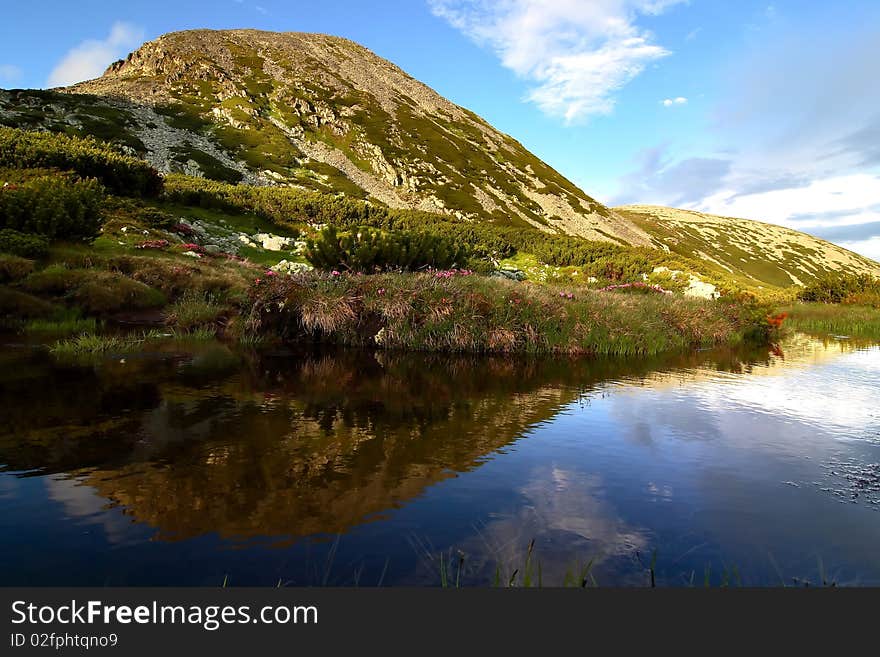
326	113
755	252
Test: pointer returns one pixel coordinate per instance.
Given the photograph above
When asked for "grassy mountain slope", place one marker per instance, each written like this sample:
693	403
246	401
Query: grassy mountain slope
752	251
324	112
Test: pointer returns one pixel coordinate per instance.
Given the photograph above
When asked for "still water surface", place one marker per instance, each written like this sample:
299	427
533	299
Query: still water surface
187	465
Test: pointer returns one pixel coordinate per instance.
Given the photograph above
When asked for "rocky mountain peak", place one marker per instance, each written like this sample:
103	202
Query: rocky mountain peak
324	112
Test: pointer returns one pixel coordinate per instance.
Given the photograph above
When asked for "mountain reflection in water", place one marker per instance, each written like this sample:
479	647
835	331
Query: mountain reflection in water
151	469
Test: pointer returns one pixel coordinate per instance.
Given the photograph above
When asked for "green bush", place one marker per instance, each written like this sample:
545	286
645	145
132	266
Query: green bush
837	288
22	244
53	206
369	250
489	242
88	157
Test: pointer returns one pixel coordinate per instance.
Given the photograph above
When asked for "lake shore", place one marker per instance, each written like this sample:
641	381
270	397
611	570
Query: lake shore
458	311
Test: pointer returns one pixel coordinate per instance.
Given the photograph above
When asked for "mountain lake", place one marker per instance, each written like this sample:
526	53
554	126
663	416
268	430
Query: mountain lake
199	464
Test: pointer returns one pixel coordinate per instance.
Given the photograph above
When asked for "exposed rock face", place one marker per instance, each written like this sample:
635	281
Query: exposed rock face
326	113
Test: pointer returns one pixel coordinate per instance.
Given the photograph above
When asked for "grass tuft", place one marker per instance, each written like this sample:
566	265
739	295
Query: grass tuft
835	319
194	311
90	344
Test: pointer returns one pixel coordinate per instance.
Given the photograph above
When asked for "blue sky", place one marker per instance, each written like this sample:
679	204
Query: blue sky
768	110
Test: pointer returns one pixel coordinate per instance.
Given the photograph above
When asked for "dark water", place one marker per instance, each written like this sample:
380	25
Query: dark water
190	464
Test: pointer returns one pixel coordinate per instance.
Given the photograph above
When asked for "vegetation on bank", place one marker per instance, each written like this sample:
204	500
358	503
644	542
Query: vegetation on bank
834	319
74	251
458	311
848	289
838	304
89	344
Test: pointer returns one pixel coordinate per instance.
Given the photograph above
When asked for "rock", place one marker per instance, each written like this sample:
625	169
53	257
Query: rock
701	290
272	242
213	249
510	274
285	267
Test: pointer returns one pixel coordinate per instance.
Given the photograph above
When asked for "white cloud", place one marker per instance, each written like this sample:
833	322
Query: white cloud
578	54
90	58
840	196
669	102
795	138
9	73
869	248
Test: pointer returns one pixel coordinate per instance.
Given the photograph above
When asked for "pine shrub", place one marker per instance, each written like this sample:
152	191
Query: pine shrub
22	244
86	156
53	206
367	249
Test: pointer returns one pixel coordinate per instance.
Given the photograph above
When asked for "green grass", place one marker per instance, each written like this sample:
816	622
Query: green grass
200	334
476	314
195	311
90	344
14	268
67	323
834	319
244	223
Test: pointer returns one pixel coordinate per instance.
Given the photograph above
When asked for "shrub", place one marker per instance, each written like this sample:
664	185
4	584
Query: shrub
486	241
23	244
286	206
88	157
13	268
53	206
369	250
838	288
870	299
